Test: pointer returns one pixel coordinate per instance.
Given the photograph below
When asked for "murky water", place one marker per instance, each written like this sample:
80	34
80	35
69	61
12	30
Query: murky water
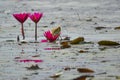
77	18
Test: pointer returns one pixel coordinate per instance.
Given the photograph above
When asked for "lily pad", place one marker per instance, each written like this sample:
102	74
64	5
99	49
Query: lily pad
56	30
65	45
77	40
100	27
117	28
83	77
85	70
108	43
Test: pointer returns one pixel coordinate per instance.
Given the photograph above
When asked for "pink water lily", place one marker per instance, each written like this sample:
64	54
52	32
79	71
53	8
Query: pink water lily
48	34
21	17
35	17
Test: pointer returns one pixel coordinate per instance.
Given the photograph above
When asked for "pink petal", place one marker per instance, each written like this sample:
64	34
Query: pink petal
21	17
35	17
50	36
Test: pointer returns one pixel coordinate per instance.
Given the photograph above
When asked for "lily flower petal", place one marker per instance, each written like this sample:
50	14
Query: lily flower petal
21	17
35	17
48	34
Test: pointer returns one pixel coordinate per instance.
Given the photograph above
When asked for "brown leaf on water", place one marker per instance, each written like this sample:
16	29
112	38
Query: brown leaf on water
117	28
77	40
65	45
100	28
108	43
56	30
83	77
85	70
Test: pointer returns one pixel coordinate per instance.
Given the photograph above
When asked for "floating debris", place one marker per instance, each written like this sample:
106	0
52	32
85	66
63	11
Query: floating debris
52	23
85	70
83	51
45	26
57	75
17	57
18	38
67	38
9	40
108	43
77	40
36	56
33	67
23	41
67	68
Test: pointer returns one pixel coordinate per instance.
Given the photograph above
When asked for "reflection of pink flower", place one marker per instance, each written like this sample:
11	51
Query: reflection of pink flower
44	40
21	17
52	48
35	17
29	60
50	36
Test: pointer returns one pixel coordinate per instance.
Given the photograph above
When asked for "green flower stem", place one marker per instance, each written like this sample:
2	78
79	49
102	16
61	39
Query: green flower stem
22	30
35	32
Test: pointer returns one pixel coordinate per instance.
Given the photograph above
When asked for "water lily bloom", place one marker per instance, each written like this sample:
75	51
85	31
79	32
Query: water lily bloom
51	37
21	17
35	17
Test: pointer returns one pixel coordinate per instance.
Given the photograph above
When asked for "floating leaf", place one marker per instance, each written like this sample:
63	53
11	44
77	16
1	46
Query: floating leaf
116	28
82	77
65	45
77	40
85	70
107	43
56	31
99	28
